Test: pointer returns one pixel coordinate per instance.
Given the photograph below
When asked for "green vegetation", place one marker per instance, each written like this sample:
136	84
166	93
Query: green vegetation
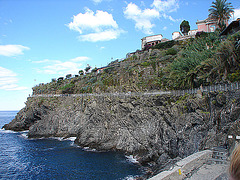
185	27
203	60
221	11
165	45
171	51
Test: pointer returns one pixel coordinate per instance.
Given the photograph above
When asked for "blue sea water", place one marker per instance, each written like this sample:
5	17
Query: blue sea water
22	158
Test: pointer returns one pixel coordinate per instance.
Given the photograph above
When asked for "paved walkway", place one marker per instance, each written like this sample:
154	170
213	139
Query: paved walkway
195	167
210	172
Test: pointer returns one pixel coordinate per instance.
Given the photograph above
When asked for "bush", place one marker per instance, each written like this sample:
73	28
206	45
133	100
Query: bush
171	51
68	76
86	89
165	45
108	70
233	77
92	80
94	70
81	72
145	64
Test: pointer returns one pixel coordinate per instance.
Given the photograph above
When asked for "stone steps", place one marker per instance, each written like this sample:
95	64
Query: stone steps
219	155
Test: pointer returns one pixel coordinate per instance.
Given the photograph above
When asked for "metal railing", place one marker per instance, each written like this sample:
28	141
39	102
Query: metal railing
214	88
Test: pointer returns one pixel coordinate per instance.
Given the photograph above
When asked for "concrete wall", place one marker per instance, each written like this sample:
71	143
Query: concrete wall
185	166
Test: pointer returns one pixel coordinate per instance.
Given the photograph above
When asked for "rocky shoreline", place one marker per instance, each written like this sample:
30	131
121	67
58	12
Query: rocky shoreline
158	130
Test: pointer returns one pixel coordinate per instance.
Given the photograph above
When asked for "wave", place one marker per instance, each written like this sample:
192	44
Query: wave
132	159
130	177
64	139
7	131
24	135
89	149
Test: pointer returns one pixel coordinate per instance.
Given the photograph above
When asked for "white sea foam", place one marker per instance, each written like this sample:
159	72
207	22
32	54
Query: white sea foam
89	149
86	148
7	131
49	149
24	135
64	139
132	159
130	177
24	131
57	138
71	138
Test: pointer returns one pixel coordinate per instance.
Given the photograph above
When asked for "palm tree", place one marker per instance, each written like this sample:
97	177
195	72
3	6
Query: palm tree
221	11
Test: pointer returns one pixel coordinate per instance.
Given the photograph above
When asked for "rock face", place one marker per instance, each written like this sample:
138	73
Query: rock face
156	129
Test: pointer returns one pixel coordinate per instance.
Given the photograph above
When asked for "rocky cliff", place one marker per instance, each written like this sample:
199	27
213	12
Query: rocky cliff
156	129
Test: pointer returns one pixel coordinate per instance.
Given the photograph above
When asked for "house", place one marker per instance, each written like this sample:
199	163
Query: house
232	28
100	70
207	25
151	40
192	32
176	35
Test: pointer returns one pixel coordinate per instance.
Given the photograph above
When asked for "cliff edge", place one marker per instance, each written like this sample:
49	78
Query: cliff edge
157	129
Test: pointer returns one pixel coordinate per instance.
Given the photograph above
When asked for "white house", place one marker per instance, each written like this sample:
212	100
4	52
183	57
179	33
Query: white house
151	40
176	34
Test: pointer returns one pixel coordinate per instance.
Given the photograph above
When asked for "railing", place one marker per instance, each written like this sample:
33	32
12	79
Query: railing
214	88
104	94
220	87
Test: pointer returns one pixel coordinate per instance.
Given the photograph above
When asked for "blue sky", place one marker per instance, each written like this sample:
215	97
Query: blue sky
45	39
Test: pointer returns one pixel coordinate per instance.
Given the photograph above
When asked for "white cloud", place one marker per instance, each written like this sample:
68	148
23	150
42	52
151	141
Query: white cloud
43	61
8	80
165	28
12	50
101	36
57	67
166	6
80	59
143	18
236	13
97	1
92	25
165	16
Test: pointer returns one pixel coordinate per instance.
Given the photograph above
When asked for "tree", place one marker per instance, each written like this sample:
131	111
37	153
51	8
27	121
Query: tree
87	68
68	76
184	27
221	12
81	72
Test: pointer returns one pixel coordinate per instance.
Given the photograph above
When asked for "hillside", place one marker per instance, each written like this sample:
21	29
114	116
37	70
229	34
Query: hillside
205	60
157	129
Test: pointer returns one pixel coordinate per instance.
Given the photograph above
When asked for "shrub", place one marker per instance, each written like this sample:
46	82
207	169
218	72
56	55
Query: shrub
94	70
87	68
92	80
108	70
54	80
86	89
68	76
171	51
60	78
233	77
165	45
81	72
145	64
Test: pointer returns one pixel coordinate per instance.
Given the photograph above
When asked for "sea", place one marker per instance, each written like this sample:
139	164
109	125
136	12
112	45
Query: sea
58	158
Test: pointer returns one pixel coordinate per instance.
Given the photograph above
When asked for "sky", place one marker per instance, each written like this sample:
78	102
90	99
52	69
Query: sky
45	39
